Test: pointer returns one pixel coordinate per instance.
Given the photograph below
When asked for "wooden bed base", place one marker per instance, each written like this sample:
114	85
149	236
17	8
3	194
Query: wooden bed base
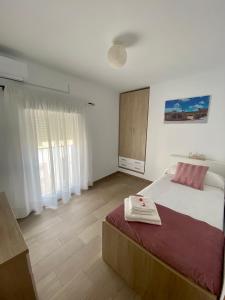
143	272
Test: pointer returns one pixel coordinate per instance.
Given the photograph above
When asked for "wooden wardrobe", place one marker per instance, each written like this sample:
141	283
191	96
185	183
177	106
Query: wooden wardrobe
133	125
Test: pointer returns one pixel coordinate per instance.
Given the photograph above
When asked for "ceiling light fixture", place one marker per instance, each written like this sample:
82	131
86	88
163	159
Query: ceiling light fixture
117	56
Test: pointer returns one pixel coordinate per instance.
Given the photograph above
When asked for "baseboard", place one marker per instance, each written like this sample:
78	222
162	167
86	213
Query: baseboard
119	173
105	177
131	175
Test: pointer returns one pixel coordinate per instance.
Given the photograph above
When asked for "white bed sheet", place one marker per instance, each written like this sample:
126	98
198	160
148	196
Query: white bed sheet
206	205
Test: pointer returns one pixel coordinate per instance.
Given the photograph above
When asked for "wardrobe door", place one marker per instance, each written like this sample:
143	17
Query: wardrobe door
125	125
140	104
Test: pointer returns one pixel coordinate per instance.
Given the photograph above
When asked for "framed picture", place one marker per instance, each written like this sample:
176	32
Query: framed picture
187	110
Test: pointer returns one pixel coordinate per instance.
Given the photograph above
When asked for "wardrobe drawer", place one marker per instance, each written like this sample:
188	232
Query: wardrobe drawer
131	164
123	159
138	163
138	168
125	165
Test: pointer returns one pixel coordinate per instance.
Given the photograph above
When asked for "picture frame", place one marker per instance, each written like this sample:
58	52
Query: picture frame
187	110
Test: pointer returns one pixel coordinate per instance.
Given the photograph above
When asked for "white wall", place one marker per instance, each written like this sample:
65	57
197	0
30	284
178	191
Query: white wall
165	139
103	117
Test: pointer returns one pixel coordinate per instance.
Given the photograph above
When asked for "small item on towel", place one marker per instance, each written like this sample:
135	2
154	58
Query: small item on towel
141	205
152	218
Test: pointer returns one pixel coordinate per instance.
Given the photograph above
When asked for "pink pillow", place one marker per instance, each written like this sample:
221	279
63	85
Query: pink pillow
190	175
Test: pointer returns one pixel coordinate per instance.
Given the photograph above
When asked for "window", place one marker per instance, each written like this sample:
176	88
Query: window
58	147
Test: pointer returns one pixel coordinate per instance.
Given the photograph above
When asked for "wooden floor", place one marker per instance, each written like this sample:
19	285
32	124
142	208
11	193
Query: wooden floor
65	244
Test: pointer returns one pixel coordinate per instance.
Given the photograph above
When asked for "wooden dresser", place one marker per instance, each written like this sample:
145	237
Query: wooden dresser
16	280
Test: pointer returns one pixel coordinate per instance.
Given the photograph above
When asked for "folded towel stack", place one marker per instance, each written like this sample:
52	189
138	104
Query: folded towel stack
141	205
141	209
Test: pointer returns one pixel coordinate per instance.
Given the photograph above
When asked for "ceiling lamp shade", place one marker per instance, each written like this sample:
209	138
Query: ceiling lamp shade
117	56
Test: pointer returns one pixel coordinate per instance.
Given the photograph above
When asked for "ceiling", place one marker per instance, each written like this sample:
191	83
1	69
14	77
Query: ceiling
164	38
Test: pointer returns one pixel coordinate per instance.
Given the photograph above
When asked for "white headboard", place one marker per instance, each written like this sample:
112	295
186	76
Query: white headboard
214	165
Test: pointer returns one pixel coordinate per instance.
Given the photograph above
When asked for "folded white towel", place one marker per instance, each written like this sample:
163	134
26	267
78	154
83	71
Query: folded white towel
129	216
142	205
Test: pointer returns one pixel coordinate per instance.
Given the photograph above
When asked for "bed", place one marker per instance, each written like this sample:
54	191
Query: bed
151	274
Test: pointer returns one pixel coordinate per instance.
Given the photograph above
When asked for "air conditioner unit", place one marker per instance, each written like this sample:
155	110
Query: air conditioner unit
13	69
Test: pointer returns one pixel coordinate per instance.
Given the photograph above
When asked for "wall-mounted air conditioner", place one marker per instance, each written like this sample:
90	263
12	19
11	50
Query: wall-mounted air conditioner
13	69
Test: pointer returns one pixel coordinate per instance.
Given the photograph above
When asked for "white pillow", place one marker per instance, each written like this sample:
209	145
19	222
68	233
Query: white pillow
214	179
171	170
211	178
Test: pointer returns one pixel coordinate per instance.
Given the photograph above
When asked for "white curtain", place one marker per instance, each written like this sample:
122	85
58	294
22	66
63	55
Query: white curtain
48	149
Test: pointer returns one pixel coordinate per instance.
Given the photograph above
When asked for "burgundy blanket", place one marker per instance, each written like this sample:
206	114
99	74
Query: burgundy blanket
193	248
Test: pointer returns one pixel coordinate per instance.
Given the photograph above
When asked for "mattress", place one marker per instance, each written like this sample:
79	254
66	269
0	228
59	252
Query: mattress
206	205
